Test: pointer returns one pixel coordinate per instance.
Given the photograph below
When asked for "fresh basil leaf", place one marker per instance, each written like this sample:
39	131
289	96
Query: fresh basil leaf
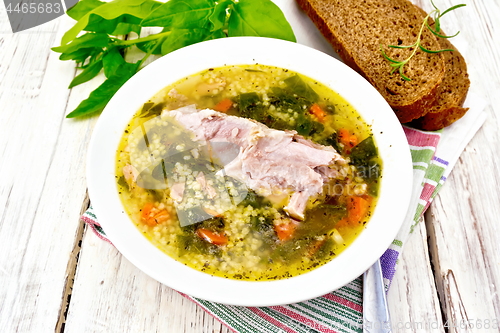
259	18
101	96
181	14
218	17
82	8
112	61
105	18
87	74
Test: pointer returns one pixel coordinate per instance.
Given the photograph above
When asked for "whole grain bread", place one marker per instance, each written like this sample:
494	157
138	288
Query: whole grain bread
357	28
451	92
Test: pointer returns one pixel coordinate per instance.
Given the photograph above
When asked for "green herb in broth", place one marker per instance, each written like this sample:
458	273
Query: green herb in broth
252	237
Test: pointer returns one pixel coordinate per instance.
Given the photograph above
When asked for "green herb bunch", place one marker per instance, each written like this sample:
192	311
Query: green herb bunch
437	14
94	45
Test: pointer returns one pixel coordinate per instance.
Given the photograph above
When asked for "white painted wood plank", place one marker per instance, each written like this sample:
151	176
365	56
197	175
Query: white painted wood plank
413	299
463	221
42	185
465	236
112	295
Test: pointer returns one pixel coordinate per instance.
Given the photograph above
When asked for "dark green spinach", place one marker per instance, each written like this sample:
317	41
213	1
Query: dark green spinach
301	88
101	96
258	18
250	106
183	22
364	151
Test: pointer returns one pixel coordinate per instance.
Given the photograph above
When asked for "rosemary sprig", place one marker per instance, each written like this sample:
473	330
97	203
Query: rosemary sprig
398	65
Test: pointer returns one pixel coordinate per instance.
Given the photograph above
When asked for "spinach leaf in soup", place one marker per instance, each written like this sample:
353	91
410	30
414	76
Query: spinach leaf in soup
276	123
145	109
301	88
192	243
122	182
365	157
255	200
304	125
364	151
331	140
250	106
325	249
150	109
192	215
287	101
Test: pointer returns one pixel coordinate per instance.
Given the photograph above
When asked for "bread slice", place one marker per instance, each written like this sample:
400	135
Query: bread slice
451	92
356	29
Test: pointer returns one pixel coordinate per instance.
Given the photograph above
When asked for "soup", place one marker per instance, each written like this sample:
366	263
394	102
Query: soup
249	172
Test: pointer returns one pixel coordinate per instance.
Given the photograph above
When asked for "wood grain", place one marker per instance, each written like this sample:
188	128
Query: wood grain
43	183
112	295
462	222
413	300
42	190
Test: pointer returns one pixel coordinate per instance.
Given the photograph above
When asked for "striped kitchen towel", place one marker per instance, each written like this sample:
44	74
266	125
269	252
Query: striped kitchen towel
434	154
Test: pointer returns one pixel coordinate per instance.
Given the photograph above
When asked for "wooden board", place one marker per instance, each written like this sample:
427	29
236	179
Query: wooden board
43	180
112	295
463	221
412	298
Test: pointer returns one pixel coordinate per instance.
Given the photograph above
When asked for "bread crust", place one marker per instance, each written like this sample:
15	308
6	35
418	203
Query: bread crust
405	109
452	91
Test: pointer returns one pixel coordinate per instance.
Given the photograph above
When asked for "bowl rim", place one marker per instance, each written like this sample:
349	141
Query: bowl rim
388	216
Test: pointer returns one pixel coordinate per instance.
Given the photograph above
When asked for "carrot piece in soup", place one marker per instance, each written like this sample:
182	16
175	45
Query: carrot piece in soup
223	105
353	140
153	216
342	223
285	228
357	208
161	216
343	136
211	236
347	139
146	211
318	112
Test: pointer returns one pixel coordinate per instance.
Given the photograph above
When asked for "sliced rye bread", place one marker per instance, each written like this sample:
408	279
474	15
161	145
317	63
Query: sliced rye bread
451	92
356	29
